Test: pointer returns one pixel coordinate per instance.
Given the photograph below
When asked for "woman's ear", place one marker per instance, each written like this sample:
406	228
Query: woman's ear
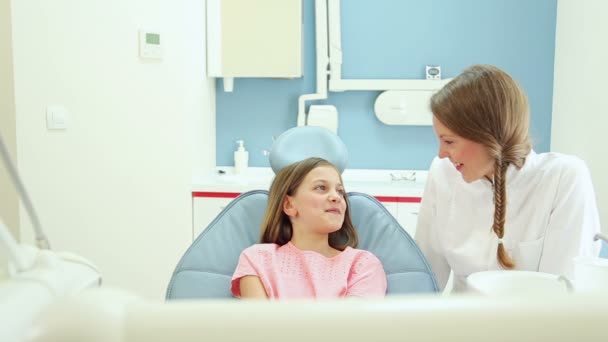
288	207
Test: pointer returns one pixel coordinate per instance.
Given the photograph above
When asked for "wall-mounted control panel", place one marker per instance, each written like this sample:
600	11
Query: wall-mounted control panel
433	72
150	46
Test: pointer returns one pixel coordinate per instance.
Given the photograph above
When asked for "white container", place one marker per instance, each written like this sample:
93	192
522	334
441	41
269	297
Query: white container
404	107
518	283
241	158
591	274
323	116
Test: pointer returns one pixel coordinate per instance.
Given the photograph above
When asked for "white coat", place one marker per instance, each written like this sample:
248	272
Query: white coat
551	217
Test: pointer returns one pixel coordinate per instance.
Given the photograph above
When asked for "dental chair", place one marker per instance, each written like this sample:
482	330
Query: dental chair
206	269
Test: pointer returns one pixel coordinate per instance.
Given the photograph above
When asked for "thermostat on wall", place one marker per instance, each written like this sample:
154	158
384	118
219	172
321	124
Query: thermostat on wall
433	72
150	45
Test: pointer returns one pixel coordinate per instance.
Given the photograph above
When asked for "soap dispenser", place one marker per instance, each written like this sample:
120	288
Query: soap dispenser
241	158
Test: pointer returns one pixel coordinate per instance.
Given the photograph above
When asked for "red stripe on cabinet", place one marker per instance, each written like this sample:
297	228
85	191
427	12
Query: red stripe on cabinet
398	199
215	194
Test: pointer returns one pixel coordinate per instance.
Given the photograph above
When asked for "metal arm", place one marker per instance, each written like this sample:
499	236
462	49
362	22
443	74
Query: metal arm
41	240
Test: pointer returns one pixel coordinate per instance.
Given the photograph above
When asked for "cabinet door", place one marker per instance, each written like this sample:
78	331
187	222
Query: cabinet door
254	38
407	215
205	210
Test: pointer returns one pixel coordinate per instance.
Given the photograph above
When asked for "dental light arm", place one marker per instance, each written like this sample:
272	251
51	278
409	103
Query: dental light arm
41	240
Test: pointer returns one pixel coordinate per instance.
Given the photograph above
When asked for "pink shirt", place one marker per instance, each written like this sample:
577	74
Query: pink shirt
288	272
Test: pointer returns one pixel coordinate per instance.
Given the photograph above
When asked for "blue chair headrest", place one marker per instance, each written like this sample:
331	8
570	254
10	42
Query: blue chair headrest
303	142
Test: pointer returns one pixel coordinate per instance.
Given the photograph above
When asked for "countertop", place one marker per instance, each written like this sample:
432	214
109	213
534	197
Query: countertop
398	183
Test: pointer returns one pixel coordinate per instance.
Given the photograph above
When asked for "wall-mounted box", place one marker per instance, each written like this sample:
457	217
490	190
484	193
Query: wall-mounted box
254	38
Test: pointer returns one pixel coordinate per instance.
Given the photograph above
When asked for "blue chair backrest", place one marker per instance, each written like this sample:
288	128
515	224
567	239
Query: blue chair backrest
205	270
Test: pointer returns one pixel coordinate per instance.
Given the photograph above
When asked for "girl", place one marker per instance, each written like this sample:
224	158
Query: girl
308	242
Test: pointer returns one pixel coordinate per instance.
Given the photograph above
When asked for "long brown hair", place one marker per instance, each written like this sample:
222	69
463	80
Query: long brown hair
277	227
485	105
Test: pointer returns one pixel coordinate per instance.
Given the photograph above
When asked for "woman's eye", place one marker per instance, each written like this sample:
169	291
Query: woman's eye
320	187
341	192
448	142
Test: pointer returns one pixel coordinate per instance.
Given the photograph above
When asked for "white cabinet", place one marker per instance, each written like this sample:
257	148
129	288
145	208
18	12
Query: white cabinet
205	210
254	38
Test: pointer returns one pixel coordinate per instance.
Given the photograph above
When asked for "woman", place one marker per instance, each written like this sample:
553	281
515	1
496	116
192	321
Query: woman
491	202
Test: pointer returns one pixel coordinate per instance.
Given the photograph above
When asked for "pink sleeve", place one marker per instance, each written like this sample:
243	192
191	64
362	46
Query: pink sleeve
367	278
247	266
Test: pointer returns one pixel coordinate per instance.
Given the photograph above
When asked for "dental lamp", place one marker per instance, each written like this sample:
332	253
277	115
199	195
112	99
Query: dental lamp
34	277
15	252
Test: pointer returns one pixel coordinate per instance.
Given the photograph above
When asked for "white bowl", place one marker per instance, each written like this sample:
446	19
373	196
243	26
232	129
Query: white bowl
517	283
591	274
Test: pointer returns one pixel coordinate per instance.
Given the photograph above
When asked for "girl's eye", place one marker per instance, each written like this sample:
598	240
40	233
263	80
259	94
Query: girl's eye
341	192
448	142
320	187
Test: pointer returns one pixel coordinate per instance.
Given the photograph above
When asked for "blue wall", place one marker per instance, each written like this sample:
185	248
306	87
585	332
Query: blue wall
396	39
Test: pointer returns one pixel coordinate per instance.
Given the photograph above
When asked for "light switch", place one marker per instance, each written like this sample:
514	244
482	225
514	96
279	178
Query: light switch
56	117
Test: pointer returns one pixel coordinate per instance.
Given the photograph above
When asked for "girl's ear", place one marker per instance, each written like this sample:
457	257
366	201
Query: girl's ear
288	207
